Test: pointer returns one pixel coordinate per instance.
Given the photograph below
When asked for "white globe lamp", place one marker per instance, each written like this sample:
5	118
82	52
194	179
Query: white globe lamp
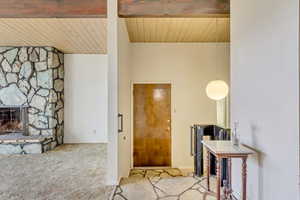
217	90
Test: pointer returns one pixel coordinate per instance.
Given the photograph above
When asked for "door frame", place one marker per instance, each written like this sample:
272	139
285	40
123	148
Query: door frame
132	118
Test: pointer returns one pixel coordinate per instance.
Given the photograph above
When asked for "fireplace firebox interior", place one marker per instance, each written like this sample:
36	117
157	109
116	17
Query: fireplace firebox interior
13	120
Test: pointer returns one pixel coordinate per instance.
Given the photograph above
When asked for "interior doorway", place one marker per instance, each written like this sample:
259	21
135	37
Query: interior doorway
151	125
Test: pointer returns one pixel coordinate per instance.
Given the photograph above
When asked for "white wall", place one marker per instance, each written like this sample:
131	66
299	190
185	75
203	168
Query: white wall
188	67
265	94
85	98
124	99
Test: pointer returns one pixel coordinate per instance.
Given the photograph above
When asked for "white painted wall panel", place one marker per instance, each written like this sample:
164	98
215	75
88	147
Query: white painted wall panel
124	99
85	98
265	94
188	67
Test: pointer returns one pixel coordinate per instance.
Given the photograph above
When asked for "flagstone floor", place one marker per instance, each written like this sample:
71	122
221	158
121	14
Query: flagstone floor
162	184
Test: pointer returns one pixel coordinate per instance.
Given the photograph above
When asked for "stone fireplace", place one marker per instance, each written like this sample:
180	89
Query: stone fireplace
31	99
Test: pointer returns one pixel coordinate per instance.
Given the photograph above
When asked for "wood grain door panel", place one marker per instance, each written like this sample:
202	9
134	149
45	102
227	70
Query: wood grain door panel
152	125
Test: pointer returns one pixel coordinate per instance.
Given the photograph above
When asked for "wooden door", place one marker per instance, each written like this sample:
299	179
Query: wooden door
152	125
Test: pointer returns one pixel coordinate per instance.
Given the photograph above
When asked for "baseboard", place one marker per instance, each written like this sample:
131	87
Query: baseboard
80	141
112	182
184	167
151	167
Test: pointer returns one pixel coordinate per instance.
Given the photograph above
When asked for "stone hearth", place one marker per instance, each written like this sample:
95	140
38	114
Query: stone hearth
33	77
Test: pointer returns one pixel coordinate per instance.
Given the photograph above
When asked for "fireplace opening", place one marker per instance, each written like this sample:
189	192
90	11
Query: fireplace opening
13	120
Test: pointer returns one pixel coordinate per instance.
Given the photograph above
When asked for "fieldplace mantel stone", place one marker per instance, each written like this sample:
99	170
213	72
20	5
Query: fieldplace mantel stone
34	77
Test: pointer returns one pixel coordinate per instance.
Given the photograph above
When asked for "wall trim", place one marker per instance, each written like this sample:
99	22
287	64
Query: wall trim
82	141
70	140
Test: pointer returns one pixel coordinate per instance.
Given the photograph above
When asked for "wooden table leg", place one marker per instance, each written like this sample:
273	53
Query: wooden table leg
208	170
244	178
218	178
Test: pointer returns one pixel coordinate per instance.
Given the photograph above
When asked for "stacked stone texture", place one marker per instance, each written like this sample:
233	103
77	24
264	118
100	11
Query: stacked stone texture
34	77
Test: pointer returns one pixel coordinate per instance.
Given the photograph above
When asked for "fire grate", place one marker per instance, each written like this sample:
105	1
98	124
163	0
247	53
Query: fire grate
13	120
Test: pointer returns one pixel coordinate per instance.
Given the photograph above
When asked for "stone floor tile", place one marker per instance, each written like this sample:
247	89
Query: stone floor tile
191	194
163	184
176	186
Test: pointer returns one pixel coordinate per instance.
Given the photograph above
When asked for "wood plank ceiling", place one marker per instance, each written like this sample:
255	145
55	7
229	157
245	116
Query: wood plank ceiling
73	26
70	35
178	29
81	26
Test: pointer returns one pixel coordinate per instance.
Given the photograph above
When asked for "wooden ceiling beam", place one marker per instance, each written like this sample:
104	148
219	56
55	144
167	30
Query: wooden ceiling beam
53	8
174	8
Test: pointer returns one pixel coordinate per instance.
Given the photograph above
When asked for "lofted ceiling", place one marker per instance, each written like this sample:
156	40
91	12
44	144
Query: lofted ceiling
77	26
89	35
70	35
174	8
178	29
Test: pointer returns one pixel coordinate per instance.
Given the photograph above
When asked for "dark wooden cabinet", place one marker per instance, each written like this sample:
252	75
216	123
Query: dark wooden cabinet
215	133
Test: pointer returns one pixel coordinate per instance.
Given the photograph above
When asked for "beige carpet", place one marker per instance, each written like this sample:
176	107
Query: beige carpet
162	184
70	172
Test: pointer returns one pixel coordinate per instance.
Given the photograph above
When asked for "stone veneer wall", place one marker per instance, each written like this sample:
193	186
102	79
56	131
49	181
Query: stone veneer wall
34	77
